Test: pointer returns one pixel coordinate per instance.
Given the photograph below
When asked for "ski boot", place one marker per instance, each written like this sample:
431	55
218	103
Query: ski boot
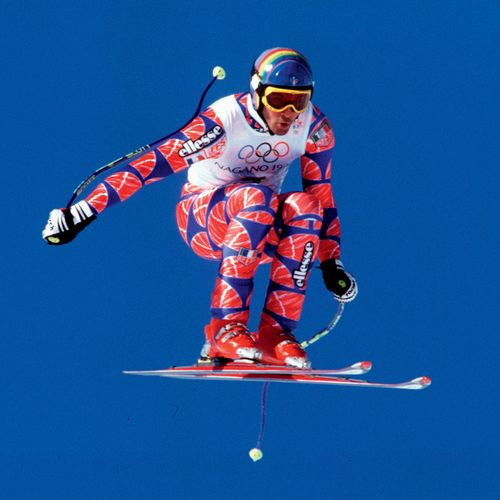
228	341
282	348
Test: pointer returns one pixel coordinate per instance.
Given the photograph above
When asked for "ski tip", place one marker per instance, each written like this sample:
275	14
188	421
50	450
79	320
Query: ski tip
361	367
420	382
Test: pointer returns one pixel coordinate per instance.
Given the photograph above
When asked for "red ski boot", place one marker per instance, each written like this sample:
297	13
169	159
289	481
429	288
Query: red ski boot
230	340
282	348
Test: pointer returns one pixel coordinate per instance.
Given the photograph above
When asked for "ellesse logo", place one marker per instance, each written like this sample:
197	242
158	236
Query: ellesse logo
190	147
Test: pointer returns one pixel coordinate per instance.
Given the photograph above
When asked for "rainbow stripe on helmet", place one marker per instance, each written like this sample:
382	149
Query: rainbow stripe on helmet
283	66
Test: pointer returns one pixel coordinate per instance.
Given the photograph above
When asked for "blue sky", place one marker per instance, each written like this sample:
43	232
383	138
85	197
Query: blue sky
412	91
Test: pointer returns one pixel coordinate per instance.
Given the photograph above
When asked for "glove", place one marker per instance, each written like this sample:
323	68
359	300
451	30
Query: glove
340	282
64	224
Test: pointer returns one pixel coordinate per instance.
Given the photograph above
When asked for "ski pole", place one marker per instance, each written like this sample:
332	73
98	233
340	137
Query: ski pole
256	453
328	328
218	74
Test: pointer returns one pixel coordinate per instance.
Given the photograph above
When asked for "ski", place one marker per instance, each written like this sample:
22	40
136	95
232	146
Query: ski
414	384
240	369
262	373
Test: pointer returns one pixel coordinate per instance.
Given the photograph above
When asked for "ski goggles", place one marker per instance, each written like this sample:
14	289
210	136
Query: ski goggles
278	99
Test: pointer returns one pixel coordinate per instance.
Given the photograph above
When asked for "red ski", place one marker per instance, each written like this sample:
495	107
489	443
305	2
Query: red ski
240	368
263	373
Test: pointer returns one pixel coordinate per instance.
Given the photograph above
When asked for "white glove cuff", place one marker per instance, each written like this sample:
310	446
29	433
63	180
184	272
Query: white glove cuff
81	211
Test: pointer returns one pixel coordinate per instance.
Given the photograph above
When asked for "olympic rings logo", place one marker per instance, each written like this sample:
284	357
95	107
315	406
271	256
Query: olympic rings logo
263	151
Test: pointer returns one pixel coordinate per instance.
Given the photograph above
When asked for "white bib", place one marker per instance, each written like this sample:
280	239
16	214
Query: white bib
249	154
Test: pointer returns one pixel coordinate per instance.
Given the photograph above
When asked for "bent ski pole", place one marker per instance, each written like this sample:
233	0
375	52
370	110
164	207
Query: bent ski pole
218	74
328	328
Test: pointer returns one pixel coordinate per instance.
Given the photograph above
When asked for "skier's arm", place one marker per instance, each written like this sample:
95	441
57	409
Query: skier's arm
203	138
316	167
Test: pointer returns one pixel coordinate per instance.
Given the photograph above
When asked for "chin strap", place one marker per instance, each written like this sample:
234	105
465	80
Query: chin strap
256	86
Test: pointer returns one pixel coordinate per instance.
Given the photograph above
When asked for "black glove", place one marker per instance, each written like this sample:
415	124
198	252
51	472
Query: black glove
341	283
64	224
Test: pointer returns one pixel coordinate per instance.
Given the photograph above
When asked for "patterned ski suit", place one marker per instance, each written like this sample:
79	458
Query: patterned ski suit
231	209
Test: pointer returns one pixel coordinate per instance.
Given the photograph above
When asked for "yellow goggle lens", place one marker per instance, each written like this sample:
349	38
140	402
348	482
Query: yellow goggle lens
279	99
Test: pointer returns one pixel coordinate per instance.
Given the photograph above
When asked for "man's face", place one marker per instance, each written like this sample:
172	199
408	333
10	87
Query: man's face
279	122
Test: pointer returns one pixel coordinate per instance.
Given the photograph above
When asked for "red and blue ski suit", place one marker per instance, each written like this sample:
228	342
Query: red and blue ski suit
231	209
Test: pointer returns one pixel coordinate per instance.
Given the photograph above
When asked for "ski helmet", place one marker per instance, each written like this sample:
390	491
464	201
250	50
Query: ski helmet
279	67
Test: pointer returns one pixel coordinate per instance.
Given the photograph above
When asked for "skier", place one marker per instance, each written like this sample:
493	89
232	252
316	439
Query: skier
238	152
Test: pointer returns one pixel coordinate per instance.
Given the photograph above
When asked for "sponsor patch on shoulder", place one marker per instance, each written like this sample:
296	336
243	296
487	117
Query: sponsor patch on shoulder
322	137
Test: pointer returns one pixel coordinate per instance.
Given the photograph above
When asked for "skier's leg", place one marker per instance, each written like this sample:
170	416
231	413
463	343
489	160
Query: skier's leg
250	210
197	212
230	224
298	225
